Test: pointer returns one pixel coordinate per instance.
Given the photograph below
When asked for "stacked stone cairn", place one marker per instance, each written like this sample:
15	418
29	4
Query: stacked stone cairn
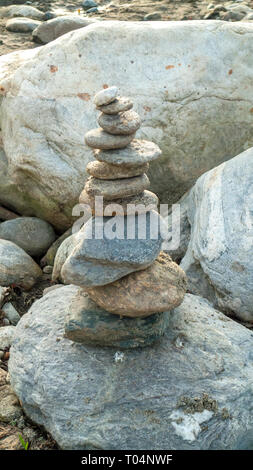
127	284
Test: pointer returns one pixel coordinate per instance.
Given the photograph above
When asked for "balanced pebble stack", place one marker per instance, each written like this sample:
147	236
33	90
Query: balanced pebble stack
127	284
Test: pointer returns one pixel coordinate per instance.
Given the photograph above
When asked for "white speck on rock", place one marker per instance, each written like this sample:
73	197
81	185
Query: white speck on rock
187	426
119	357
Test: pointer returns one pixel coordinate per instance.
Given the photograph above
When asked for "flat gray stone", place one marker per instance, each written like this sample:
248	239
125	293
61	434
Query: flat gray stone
102	256
30	233
117	189
107	171
106	96
99	139
192	390
140	203
87	323
122	124
119	105
136	153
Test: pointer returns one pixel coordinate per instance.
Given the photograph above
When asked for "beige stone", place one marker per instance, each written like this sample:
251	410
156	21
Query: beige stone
116	189
107	171
136	153
159	288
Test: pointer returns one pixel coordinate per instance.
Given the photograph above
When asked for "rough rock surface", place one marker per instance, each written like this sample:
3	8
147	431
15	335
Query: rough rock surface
117	189
22	25
218	261
87	323
6	336
159	288
184	100
107	171
145	201
16	266
48	259
99	139
62	254
199	373
53	29
30	233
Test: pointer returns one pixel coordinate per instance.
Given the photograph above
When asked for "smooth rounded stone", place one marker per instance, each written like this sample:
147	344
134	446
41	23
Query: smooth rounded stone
16	266
87	323
159	288
136	153
53	29
144	398
106	96
107	171
6	336
117	189
120	124
30	233
11	313
26	11
119	105
141	203
99	139
22	25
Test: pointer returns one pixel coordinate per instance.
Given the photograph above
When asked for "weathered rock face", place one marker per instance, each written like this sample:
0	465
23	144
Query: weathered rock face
114	403
218	261
185	93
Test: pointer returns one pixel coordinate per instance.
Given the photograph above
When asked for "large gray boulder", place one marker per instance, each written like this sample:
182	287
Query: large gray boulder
218	260
192	390
195	98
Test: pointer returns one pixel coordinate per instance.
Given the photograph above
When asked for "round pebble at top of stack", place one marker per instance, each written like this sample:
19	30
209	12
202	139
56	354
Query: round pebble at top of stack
107	171
134	154
106	96
119	105
100	139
